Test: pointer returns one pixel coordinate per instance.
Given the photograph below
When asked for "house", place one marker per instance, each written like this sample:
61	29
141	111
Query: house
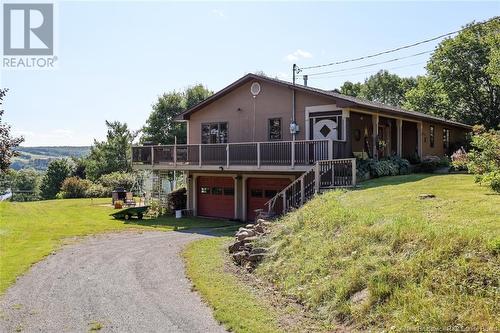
262	142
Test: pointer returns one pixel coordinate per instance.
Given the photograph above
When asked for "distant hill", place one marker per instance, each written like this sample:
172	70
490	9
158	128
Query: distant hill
40	157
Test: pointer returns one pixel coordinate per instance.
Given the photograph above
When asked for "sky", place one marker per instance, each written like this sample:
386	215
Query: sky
116	58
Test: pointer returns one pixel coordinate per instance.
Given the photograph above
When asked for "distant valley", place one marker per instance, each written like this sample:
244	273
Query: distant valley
39	158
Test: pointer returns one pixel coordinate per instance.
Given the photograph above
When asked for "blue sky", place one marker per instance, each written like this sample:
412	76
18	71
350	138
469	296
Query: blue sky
115	58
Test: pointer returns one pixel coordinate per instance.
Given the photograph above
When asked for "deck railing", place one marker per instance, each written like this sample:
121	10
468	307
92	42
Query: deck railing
323	175
278	153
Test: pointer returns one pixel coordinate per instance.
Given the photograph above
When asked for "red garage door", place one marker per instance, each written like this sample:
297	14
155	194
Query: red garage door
216	197
260	190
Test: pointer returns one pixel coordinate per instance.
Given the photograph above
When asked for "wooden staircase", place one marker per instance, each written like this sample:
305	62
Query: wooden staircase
327	174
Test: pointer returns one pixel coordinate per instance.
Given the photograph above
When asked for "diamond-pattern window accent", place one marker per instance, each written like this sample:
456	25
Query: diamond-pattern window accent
325	130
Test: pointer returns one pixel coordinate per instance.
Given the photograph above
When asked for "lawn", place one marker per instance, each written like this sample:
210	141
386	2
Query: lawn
29	231
380	258
233	303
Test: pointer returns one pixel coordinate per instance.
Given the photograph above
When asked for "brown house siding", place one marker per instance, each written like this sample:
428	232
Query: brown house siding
237	107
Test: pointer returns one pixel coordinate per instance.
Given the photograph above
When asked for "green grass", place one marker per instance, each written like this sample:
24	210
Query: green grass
233	303
29	231
424	262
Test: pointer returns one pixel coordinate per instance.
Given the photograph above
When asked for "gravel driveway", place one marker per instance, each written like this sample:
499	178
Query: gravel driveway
125	282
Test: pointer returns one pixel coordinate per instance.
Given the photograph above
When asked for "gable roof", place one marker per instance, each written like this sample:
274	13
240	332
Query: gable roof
348	100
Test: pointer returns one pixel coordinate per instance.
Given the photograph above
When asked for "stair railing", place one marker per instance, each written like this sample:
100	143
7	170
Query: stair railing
325	174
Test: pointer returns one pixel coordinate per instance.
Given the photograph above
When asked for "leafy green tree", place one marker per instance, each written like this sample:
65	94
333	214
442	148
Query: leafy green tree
463	76
161	127
382	87
484	158
113	154
7	142
25	183
57	172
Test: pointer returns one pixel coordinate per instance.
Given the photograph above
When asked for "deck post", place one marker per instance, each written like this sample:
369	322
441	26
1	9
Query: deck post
317	178
258	154
227	155
330	149
292	145
353	165
302	191
284	203
399	136
175	153
419	139
199	155
375	119
152	155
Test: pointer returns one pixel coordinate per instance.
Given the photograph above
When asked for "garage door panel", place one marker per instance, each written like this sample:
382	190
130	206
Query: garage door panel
216	197
261	190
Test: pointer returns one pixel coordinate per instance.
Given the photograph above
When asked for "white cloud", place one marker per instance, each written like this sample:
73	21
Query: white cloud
298	54
218	12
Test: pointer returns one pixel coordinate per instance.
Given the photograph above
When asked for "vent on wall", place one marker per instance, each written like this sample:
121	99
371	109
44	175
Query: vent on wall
255	89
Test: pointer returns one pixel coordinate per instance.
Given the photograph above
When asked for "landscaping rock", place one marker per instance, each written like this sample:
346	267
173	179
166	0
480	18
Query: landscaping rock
242	235
250	226
255	257
258	250
360	296
240	257
235	247
426	196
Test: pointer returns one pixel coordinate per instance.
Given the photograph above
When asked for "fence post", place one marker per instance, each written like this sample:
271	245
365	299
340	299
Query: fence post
152	156
284	202
330	149
199	155
258	154
292	144
353	164
227	155
302	191
317	178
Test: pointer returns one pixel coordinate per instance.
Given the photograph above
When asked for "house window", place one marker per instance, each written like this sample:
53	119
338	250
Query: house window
205	190
228	191
256	193
214	133
217	190
274	128
446	138
431	136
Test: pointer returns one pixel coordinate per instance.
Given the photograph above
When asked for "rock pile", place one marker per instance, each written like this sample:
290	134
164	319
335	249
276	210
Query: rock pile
243	251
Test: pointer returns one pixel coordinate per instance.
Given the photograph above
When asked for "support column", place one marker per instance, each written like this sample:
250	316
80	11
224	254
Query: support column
375	118
419	139
399	137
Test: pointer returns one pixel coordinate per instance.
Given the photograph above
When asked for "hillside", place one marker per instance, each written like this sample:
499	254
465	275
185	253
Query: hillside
383	257
39	157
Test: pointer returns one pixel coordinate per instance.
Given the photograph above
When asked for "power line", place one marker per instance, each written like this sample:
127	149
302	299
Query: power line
368	72
372	64
395	49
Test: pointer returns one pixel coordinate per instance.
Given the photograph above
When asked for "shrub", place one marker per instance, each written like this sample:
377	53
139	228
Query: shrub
432	163
117	179
177	199
484	158
97	191
74	187
459	160
391	166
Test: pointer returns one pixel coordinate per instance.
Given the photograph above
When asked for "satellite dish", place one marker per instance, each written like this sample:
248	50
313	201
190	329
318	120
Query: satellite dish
255	89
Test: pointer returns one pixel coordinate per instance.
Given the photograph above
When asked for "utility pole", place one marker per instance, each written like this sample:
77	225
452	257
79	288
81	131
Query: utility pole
293	124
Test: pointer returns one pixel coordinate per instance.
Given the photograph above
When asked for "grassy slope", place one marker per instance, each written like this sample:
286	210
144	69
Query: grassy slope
425	262
234	305
31	230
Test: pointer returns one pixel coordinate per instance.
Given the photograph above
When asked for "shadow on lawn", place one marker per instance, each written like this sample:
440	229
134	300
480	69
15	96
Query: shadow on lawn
197	225
394	180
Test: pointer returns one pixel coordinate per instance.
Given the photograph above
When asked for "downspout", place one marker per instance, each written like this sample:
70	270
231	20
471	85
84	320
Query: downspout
294	68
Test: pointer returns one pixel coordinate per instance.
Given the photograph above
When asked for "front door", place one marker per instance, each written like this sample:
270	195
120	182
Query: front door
325	129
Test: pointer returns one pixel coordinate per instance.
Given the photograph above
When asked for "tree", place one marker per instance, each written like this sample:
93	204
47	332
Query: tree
57	172
463	77
7	142
113	154
382	87
161	127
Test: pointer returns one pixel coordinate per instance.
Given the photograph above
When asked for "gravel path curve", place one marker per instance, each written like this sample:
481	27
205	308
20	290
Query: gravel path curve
123	282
